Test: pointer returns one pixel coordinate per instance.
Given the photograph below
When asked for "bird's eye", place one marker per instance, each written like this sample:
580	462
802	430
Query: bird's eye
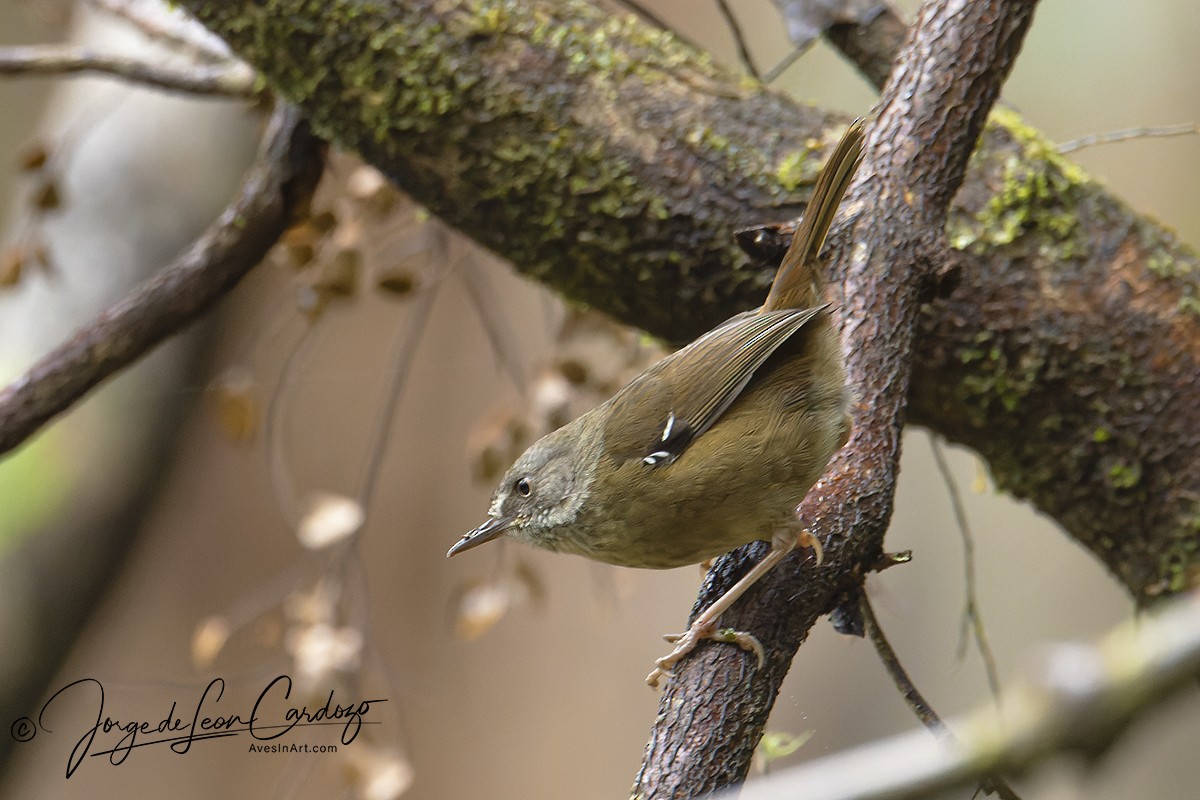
522	487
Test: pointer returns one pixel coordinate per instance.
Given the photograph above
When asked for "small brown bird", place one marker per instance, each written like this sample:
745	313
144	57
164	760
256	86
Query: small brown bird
710	448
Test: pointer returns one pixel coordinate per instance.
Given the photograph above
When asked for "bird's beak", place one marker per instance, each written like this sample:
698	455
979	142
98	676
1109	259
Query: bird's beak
484	533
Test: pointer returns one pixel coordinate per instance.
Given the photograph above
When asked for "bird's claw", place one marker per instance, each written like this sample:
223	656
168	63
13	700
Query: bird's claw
806	539
686	642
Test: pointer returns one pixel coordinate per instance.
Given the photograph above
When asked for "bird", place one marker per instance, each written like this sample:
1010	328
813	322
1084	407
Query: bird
712	447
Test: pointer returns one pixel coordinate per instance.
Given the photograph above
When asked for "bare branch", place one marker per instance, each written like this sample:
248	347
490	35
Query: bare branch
279	184
1111	137
229	79
1082	699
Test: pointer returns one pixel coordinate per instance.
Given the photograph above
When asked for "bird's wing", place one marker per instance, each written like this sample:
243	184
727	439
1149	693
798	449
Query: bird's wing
666	408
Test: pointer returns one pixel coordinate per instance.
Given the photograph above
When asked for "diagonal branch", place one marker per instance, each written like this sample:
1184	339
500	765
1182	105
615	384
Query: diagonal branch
278	186
885	258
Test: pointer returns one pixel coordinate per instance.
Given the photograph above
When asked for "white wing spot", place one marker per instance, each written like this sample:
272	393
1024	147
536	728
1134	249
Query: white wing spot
670	425
655	457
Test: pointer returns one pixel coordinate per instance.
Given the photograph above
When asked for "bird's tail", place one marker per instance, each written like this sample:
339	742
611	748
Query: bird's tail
795	284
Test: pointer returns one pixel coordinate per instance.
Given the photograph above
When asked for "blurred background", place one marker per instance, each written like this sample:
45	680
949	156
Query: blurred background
175	492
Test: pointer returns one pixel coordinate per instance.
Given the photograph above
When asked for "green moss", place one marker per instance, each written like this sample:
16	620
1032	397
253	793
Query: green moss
1101	435
997	383
1162	263
1173	262
791	172
1038	189
1178	568
1124	476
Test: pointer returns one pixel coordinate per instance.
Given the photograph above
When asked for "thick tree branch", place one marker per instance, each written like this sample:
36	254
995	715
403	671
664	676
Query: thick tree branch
597	154
277	186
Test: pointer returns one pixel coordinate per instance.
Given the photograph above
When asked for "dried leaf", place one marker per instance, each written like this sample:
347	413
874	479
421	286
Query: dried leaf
300	244
480	607
310	302
323	222
396	280
46	197
238	407
12	264
373	191
330	518
208	641
33	157
339	276
322	652
379	774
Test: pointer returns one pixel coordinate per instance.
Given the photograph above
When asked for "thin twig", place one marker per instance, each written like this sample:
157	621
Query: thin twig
229	79
277	186
403	351
655	20
916	701
287	500
972	619
493	326
645	13
791	58
1111	137
739	38
891	662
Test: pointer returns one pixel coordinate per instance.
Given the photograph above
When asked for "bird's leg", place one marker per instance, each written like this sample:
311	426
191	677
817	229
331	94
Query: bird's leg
705	626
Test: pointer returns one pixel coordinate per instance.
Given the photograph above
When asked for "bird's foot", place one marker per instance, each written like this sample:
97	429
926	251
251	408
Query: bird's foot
686	642
806	539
